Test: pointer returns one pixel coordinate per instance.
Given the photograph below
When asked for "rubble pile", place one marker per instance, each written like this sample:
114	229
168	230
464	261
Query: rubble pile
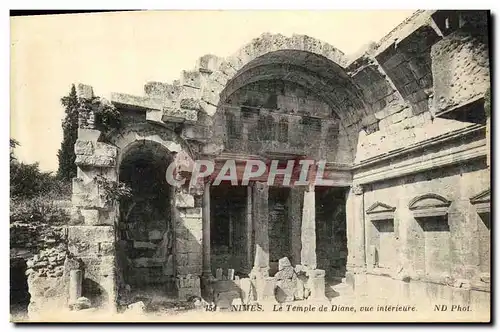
47	263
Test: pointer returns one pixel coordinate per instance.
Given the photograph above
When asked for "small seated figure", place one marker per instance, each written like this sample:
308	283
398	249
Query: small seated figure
286	281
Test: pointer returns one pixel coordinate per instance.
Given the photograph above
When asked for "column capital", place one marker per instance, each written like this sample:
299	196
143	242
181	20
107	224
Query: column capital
357	189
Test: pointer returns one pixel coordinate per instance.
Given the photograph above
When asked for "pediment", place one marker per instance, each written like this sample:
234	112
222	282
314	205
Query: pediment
429	205
482	197
379	207
481	201
380	211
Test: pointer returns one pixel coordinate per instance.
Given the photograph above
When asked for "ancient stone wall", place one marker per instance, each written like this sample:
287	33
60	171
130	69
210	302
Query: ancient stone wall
386	114
454	249
428	70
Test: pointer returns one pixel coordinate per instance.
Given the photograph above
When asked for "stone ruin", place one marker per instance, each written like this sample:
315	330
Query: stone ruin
403	130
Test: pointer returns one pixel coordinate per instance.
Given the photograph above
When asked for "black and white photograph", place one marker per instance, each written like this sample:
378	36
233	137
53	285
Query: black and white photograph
251	166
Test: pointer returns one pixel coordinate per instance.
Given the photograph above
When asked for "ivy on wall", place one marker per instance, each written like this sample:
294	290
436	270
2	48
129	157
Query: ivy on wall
107	117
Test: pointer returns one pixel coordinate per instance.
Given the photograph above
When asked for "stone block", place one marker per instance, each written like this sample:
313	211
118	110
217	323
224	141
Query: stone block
190	213
84	91
191	79
285	290
84	239
183	200
190	104
162	90
188	286
460	68
90	217
47	295
97	161
172	114
85	134
207	63
105	150
227	69
84	147
86	195
210	92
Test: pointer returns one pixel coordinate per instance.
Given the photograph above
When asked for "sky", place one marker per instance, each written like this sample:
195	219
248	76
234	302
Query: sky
120	52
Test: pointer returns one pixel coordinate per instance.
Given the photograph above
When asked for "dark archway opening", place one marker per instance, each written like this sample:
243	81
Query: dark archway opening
146	230
331	236
228	235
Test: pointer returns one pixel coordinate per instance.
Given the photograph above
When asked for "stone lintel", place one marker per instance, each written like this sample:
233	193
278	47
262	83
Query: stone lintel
137	101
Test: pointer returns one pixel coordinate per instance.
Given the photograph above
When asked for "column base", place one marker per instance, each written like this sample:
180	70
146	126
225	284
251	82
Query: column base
356	278
263	284
316	285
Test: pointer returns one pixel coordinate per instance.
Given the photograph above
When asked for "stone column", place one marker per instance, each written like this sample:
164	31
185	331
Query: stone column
207	269
249	230
356	259
308	230
295	216
75	285
261	228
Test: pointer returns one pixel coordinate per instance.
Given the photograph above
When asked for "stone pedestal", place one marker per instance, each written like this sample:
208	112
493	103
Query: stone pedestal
188	287
316	285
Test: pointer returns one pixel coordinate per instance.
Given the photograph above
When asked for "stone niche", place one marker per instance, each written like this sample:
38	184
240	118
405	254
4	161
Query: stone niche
431	213
481	204
382	236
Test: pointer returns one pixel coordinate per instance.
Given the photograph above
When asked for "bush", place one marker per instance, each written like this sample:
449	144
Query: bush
37	210
27	181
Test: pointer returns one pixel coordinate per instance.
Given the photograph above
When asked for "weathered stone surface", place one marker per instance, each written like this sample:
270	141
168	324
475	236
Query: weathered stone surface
460	67
85	240
308	238
191	79
183	200
190	104
207	63
358	117
188	286
180	115
96	154
84	91
81	303
136	308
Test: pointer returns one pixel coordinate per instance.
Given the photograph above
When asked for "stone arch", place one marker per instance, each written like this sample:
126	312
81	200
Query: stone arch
428	200
125	139
301	60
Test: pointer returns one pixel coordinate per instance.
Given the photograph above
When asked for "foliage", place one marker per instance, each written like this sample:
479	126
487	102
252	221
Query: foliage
112	190
28	181
66	154
107	117
37	210
13	145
